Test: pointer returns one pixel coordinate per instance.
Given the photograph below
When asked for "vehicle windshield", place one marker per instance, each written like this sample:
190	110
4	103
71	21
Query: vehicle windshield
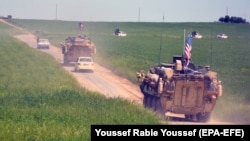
85	60
43	40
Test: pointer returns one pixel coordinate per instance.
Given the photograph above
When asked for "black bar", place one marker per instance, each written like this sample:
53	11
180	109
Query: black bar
164	132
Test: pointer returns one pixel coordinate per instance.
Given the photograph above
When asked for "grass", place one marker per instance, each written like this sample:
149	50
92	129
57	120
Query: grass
139	50
39	100
148	44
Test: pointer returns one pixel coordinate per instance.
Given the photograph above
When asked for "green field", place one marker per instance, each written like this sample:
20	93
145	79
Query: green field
40	101
146	44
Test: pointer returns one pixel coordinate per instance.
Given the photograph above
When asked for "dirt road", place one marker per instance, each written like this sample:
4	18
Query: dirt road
102	80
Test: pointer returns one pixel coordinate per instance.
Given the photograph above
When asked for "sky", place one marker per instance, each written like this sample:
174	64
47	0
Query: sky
126	10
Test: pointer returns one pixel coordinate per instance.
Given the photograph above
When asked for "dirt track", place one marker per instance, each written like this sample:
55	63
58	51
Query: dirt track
102	81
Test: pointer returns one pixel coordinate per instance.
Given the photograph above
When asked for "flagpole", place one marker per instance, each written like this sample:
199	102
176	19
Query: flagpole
184	42
211	50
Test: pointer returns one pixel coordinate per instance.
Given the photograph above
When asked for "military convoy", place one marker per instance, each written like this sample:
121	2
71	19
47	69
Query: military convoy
174	90
74	47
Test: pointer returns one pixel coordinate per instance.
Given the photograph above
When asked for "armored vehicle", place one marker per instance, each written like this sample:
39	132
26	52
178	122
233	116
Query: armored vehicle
187	92
74	47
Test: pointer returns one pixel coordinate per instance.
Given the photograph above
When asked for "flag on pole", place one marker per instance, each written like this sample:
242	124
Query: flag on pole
188	49
81	26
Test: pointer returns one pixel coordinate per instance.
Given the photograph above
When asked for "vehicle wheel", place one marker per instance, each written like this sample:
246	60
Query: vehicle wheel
203	117
65	61
190	117
150	101
75	69
147	101
153	103
158	106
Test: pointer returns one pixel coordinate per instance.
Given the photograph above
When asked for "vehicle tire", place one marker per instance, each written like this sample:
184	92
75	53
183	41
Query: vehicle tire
150	102
158	106
153	103
203	117
65	61
75	69
189	117
145	101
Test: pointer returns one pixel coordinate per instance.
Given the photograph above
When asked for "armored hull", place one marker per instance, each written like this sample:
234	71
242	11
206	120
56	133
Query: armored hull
74	47
174	90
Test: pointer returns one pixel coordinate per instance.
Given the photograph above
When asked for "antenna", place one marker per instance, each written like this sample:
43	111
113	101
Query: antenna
211	50
161	40
139	15
56	11
184	40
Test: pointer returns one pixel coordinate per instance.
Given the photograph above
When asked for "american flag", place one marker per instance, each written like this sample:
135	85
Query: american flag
188	48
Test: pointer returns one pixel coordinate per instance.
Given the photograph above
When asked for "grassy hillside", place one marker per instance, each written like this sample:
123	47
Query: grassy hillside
150	43
39	100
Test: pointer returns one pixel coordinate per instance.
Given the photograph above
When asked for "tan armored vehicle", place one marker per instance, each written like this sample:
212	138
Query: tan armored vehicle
176	91
74	47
